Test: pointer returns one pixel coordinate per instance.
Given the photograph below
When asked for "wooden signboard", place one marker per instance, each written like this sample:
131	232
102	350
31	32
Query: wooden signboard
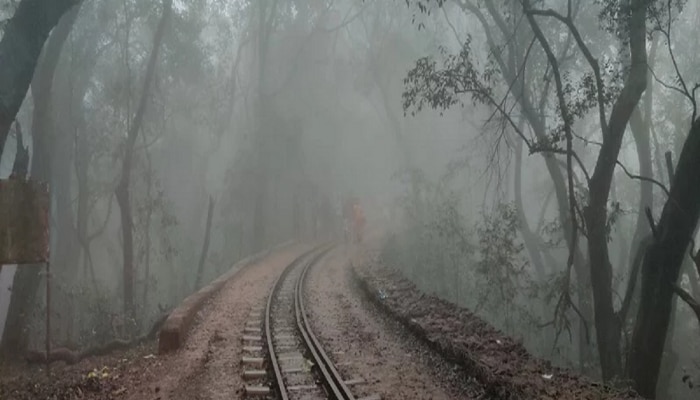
24	222
24	232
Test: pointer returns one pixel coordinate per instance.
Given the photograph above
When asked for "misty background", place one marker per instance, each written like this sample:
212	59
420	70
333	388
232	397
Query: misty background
271	112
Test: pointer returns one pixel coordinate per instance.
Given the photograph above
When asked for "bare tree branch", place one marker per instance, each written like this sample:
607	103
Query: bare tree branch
687	298
644	178
568	21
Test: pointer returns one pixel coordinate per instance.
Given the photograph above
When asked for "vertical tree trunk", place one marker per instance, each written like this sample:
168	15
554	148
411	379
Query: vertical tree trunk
74	112
595	213
147	228
662	265
510	70
530	238
122	190
22	41
265	25
669	359
205	245
608	328
640	125
22	31
640	131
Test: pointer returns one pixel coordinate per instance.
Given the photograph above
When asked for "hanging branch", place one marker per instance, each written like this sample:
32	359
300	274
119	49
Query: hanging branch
569	22
687	298
644	178
567	120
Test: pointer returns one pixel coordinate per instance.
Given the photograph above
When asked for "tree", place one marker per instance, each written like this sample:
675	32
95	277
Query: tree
595	213
122	190
665	256
205	245
23	42
662	265
441	88
513	61
613	93
267	14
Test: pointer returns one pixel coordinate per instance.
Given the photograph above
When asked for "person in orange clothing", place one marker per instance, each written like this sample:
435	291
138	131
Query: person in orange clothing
358	221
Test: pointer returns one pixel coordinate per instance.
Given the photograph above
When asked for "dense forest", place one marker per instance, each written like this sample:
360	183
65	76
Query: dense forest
535	161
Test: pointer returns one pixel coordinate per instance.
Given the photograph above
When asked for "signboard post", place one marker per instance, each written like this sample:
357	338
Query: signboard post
24	232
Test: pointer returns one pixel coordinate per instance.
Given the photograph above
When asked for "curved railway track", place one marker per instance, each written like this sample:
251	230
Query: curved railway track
298	364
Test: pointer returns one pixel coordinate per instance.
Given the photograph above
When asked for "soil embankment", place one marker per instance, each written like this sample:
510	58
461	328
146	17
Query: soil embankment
504	368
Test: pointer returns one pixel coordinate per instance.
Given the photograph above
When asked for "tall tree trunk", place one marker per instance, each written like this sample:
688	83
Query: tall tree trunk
205	244
538	123
67	248
662	264
530	238
22	43
640	124
147	227
75	112
607	322
669	361
122	190
265	25
640	131
583	277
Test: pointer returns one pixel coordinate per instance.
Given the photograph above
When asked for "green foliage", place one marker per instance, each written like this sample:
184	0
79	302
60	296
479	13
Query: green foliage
501	262
482	266
423	7
502	269
94	315
614	14
91	316
441	88
434	242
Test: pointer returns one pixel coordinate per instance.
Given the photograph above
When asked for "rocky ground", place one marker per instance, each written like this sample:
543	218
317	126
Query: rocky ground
499	364
368	346
379	328
207	367
105	377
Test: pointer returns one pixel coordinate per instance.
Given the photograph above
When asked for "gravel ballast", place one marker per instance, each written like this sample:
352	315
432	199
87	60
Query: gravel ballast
366	345
504	368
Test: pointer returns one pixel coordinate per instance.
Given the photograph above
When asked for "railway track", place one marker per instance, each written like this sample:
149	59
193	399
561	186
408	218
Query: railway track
294	364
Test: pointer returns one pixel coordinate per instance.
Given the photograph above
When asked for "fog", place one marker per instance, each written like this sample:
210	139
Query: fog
480	138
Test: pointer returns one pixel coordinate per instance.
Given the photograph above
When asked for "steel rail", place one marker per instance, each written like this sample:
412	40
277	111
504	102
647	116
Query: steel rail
282	390
334	382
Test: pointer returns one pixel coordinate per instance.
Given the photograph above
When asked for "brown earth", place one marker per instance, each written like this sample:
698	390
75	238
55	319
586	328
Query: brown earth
366	345
502	366
111	376
446	352
206	367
